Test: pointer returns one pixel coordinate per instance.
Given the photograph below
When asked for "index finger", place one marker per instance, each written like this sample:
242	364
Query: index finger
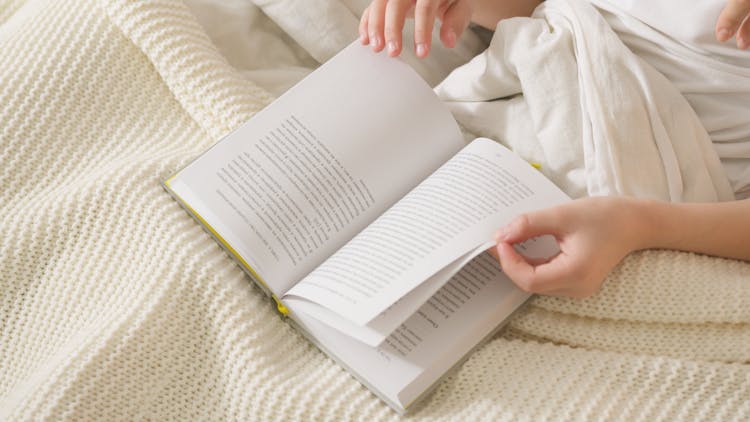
425	13
533	224
731	18
376	16
395	14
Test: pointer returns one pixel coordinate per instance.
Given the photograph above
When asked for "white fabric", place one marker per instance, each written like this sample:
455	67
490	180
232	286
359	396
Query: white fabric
269	53
115	305
588	103
277	42
693	27
714	77
253	44
324	27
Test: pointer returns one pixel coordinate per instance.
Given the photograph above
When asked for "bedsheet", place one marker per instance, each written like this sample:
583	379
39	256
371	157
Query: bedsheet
598	118
563	89
116	305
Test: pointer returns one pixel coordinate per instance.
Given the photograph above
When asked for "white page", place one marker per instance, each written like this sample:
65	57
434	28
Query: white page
444	329
454	211
382	326
311	170
457	319
376	331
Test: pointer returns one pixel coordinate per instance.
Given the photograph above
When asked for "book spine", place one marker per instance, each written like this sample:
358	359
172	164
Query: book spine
257	280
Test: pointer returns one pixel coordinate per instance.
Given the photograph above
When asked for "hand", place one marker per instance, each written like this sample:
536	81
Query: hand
594	235
383	22
734	20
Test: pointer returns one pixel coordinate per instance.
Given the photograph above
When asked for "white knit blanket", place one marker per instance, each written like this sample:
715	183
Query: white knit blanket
116	305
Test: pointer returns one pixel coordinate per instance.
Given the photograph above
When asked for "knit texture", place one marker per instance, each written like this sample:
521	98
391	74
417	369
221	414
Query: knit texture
116	305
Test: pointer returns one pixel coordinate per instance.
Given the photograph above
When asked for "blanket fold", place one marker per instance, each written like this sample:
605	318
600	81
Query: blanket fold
116	305
601	121
215	95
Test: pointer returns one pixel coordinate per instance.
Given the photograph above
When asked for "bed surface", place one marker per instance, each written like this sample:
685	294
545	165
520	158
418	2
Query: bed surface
116	305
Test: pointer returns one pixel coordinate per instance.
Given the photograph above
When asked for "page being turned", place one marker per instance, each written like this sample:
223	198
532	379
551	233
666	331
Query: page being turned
455	210
452	322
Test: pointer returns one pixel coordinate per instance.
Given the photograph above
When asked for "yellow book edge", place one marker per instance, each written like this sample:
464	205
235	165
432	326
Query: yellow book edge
285	311
279	306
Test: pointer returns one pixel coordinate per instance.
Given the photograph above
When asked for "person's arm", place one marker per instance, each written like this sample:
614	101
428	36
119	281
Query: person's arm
382	23
720	229
595	234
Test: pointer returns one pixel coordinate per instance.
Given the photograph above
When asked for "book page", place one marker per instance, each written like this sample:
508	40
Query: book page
377	330
380	327
454	211
300	179
443	330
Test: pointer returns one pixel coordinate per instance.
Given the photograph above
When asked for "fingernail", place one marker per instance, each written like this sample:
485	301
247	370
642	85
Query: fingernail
501	234
374	40
742	43
363	39
724	34
421	50
391	47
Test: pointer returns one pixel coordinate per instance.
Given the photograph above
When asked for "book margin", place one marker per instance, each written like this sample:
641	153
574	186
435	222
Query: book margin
257	279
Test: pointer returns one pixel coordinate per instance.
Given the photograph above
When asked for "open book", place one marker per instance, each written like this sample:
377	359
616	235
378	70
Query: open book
355	203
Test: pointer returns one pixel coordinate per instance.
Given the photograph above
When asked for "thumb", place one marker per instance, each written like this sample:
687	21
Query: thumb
531	224
455	19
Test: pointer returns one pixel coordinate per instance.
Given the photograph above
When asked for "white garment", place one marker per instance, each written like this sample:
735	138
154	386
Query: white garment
691	25
597	118
678	40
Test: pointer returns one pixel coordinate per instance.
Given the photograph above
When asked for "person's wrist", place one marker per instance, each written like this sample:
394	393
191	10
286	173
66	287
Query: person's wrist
645	222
